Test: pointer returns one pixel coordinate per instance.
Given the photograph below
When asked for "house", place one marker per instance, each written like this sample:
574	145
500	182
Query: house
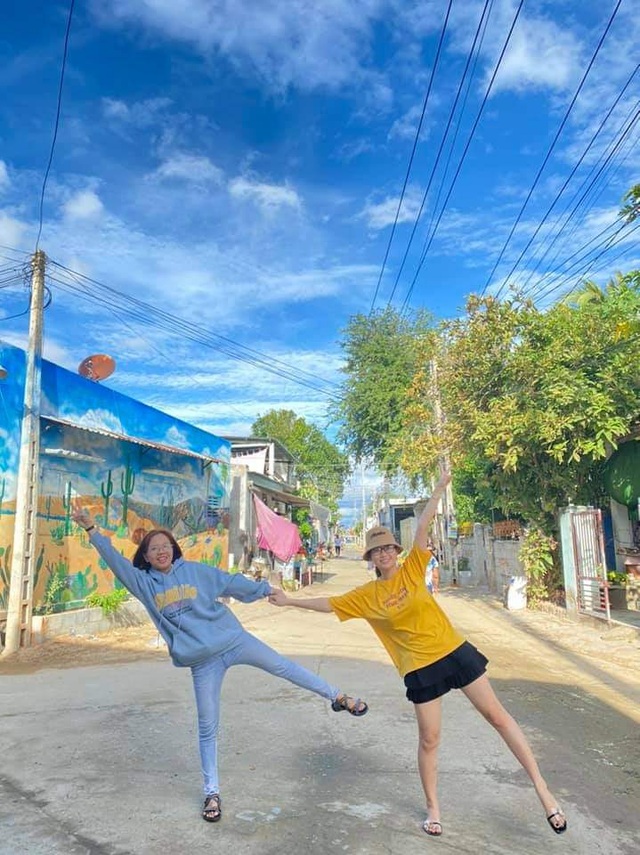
133	467
264	468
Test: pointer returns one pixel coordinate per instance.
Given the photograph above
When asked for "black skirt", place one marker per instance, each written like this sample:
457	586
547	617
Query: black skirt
454	671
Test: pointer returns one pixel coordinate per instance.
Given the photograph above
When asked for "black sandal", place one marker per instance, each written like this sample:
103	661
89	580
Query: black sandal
357	708
559	829
429	827
212	810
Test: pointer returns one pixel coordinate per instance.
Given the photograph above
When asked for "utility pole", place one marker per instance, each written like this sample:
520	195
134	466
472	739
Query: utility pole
448	509
24	535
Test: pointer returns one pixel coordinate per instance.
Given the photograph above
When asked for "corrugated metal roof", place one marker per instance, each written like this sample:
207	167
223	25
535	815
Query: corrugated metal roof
262	482
172	449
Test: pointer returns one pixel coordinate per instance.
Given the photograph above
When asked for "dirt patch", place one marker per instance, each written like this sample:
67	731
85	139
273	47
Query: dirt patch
105	648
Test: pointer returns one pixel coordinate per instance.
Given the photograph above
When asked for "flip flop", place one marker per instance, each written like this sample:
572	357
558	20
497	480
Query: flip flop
432	827
559	829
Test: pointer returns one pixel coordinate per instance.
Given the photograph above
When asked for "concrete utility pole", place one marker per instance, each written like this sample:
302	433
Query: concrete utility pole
24	535
448	509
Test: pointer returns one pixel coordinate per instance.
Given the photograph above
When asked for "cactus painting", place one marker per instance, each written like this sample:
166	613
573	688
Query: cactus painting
127	485
106	488
66	503
80	585
5	574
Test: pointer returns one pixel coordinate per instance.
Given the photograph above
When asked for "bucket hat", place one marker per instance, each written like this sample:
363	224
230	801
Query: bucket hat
379	536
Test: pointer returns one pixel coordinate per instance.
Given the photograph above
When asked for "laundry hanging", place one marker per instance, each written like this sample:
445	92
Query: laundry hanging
276	533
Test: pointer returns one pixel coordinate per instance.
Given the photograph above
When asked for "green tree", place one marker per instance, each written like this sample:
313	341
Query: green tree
383	351
544	396
534	400
321	467
631	204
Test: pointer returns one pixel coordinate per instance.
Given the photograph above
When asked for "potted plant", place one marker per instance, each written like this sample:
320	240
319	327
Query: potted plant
617	589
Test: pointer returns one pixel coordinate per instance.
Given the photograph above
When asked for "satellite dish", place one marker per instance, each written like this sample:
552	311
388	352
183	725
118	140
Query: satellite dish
97	367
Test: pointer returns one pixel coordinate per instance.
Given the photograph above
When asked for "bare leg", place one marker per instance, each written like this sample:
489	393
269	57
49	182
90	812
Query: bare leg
482	696
429	716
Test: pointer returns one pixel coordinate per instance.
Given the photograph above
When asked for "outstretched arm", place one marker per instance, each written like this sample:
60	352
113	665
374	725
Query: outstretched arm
421	540
120	566
316	604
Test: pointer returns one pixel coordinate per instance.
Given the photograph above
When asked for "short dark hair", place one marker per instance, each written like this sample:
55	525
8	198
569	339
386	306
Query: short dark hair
141	562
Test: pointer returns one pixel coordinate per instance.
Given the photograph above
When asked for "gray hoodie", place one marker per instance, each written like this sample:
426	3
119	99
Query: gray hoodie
183	603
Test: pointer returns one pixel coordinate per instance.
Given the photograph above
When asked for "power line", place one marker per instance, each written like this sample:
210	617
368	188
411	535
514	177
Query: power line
57	121
413	151
551	275
487	6
429	240
600	170
173	325
550	151
607	244
570	176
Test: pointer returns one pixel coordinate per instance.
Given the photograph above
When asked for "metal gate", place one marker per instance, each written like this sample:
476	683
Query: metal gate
592	591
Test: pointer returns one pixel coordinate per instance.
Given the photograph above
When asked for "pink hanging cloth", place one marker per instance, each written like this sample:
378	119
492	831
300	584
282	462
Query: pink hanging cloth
276	533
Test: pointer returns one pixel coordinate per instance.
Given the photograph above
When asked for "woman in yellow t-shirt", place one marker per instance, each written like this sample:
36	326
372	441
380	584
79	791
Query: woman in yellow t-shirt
430	655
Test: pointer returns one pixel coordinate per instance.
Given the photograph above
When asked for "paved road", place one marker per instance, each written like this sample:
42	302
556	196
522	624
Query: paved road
102	759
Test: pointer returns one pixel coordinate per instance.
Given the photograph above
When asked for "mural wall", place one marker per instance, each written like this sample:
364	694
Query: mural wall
133	467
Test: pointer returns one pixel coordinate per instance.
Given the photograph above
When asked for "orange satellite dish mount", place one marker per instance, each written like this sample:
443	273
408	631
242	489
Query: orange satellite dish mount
97	367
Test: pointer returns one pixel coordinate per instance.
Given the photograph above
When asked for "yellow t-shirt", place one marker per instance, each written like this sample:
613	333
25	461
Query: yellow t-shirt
403	614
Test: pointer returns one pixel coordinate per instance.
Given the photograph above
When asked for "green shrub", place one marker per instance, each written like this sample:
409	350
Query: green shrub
109	603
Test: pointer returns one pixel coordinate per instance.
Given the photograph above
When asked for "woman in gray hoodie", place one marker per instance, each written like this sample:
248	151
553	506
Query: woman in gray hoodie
202	633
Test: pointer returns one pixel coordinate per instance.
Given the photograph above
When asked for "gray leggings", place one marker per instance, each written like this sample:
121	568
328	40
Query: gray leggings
207	682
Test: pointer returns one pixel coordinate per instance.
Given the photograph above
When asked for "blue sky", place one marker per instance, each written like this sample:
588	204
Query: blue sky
238	163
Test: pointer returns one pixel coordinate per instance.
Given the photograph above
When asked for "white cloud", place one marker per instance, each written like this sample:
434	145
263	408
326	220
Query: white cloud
266	195
140	114
83	205
4	176
101	419
189	167
11	230
406	126
312	284
379	215
285	42
176	437
53	350
541	55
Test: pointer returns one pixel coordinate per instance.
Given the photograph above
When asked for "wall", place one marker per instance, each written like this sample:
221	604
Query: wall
492	562
242	522
407	531
172	475
622	532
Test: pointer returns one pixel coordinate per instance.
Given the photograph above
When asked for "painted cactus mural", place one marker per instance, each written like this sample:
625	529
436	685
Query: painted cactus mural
156	480
106	489
5	574
68	507
127	485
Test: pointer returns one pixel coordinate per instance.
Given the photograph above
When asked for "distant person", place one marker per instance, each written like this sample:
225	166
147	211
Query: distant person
202	633
337	545
432	573
429	653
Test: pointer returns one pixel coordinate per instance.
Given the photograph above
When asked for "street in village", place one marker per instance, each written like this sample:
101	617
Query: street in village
99	745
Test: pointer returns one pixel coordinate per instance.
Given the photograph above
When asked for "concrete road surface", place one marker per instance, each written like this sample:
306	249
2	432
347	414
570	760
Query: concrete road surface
102	759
